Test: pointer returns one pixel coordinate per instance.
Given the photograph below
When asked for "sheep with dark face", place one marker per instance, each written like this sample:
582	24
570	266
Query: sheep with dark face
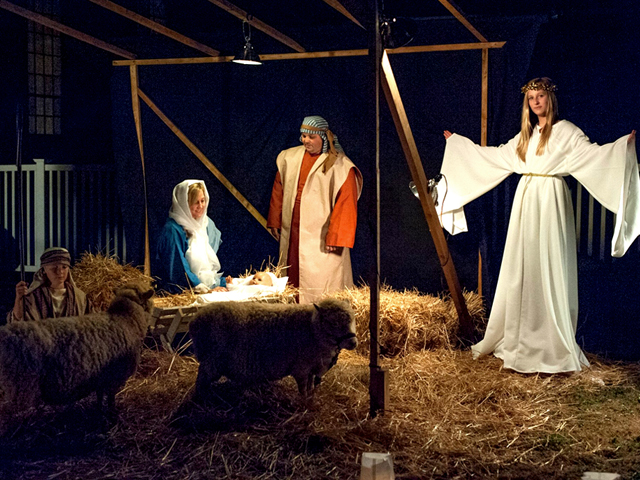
58	361
251	342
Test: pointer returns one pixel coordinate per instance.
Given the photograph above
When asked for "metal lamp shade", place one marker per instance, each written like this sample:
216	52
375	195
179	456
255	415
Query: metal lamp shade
248	56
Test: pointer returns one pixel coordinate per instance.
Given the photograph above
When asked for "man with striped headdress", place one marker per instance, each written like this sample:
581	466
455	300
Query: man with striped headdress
313	211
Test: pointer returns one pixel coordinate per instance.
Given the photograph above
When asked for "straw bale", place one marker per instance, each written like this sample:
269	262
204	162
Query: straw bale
411	321
98	275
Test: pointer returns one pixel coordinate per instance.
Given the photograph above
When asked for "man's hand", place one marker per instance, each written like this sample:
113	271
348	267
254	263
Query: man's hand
332	249
21	291
275	232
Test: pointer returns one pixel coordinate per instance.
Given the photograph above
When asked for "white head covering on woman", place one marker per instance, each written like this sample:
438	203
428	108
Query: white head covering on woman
202	260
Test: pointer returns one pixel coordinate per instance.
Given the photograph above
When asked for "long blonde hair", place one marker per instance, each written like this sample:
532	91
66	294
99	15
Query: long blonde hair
193	191
529	118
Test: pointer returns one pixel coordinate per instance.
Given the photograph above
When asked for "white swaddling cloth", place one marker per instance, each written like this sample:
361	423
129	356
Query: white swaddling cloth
243	290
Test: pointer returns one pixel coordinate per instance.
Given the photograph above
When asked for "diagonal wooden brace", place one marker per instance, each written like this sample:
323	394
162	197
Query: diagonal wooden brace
401	121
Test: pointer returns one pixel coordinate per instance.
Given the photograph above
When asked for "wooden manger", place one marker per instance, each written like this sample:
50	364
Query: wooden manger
167	322
172	315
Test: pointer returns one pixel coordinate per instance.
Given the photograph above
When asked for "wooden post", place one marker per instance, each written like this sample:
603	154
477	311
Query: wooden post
419	178
135	102
484	115
378	377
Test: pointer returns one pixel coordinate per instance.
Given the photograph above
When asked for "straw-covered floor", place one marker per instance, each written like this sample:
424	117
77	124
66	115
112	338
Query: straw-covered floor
449	417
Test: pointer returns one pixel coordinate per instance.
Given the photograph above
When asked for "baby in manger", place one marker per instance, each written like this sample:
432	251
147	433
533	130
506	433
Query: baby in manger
260	284
266	279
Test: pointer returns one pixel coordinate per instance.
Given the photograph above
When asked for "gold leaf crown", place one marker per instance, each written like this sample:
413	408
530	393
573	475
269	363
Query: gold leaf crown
548	87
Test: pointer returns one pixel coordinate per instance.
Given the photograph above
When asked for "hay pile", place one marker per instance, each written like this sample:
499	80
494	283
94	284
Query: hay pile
98	275
449	418
411	321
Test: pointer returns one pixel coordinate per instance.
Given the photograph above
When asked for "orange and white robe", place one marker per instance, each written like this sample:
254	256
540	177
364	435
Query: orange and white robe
314	209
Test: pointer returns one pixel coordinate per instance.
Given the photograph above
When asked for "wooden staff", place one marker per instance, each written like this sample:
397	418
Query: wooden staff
19	190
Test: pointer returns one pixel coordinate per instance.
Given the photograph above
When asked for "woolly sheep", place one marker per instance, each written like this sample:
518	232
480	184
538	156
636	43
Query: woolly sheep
252	342
61	360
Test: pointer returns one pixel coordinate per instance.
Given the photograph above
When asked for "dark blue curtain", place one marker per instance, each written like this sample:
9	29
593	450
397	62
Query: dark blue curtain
241	117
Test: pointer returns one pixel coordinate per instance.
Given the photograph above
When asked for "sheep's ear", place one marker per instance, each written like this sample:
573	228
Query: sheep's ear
317	307
148	294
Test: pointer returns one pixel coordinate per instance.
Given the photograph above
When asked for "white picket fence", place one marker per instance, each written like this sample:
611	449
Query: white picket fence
71	206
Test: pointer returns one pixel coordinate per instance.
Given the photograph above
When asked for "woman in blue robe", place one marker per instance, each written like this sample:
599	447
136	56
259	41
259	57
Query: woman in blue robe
187	249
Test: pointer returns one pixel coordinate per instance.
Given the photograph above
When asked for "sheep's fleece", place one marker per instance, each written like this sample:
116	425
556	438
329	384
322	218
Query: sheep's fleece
61	360
251	342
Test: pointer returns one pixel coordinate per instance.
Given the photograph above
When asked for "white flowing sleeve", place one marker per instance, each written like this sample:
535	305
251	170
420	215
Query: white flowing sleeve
469	171
610	174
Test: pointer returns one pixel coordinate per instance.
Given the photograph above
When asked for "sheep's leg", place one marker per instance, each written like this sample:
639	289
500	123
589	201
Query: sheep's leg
17	398
112	413
207	374
305	385
100	399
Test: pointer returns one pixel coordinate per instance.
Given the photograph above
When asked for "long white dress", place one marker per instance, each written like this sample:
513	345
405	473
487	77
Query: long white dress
533	320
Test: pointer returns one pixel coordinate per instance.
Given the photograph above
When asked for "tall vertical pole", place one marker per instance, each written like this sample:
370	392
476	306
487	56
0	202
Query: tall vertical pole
135	102
378	377
21	245
484	114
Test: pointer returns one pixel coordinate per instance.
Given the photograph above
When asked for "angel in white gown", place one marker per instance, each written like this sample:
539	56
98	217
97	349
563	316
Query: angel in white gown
533	319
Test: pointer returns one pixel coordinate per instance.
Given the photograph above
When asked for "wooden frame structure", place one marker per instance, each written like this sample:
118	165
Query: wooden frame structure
390	88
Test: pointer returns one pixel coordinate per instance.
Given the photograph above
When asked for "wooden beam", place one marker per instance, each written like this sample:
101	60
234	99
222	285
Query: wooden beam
456	13
52	24
206	162
484	110
419	177
339	7
135	103
156	27
446	47
307	55
254	22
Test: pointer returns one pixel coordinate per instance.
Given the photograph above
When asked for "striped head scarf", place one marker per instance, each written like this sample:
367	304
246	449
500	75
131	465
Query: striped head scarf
319	126
42	295
55	255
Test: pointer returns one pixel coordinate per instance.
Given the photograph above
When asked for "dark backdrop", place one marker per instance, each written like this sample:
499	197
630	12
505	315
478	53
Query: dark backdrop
241	117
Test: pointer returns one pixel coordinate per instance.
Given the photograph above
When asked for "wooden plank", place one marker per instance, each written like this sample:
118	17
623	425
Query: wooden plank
135	103
254	22
603	225
306	55
207	163
456	13
447	47
410	149
339	7
47	22
156	27
173	326
590	227
484	109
